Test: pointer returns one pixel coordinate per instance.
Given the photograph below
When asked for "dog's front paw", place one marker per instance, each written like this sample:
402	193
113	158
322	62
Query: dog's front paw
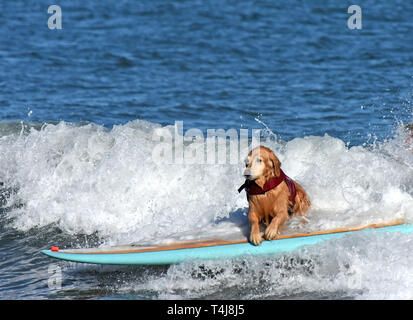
256	238
271	232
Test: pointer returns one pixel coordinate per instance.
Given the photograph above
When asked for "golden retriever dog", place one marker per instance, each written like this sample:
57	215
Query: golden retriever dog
272	196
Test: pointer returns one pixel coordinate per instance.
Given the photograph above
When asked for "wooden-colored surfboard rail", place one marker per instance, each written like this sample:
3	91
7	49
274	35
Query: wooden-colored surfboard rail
216	242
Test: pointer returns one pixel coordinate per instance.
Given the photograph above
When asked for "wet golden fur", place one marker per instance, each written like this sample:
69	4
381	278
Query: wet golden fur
272	207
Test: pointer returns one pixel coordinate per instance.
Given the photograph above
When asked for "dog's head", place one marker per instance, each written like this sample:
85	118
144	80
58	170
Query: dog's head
261	163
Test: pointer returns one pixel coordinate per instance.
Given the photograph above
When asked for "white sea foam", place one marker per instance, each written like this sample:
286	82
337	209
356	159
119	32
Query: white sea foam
90	179
87	179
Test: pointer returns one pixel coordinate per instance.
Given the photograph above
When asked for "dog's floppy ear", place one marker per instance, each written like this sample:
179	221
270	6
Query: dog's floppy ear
276	164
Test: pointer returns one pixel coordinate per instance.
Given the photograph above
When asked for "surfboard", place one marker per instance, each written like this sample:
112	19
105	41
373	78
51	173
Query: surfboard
211	248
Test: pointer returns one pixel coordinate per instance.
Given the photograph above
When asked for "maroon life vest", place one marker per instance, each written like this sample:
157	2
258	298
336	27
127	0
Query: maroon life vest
253	189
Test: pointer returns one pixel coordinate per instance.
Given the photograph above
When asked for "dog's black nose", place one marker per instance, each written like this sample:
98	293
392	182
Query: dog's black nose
247	173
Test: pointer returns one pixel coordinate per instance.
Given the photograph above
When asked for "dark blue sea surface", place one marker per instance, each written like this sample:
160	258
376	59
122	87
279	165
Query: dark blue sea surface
293	67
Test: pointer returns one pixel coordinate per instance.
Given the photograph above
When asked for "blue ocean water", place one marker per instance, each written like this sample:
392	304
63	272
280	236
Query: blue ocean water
222	63
74	100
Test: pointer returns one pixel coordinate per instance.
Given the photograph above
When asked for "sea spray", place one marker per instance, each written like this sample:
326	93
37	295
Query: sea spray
88	179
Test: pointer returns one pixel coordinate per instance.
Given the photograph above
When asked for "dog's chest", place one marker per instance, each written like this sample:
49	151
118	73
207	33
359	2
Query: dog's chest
267	204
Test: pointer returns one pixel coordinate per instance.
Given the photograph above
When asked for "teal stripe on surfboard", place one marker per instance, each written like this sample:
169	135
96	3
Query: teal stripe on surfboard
225	251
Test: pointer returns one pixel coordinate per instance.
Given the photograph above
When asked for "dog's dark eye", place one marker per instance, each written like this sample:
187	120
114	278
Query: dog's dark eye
259	160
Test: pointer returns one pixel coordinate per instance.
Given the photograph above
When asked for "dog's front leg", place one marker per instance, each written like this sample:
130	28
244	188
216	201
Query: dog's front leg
255	235
277	223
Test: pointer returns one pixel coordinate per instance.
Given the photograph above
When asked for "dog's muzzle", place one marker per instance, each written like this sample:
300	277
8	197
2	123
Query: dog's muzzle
247	174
